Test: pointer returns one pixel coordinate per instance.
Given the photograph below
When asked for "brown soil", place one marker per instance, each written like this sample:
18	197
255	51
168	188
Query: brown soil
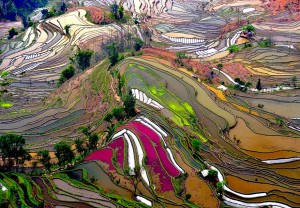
97	14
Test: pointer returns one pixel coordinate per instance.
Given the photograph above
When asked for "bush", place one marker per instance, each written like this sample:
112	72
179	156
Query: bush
265	43
233	48
197	144
119	113
220	66
212	174
188	196
260	105
249	28
83	58
138	44
12	32
249	45
66	74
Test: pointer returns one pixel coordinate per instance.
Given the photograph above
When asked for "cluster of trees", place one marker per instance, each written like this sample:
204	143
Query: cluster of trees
113	50
12	151
14	154
212	176
127	111
57	10
64	152
10	9
116	12
82	58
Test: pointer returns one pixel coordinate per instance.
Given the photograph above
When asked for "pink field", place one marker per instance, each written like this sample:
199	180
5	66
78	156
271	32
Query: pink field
118	146
103	155
153	162
166	163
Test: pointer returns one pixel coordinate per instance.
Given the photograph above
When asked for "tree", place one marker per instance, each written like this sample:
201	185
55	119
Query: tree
135	177
67	29
114	9
248	28
113	53
188	196
121	12
85	130
258	86
24	21
12	32
197	144
63	153
11	12
83	58
138	44
45	13
220	67
79	146
12	150
45	159
108	117
294	80
181	55
93	141
212	174
34	166
220	188
66	74
129	104
63	7
52	12
233	48
118	113
265	43
279	121
24	156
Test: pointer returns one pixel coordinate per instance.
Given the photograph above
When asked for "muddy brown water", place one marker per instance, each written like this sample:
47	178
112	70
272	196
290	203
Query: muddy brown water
103	180
263	143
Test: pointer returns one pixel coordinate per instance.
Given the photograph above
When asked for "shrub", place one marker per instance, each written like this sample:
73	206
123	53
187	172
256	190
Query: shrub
66	74
113	53
118	113
212	174
197	144
233	48
260	105
258	86
138	44
12	32
129	104
188	196
181	55
249	28
83	58
265	43
220	66
249	45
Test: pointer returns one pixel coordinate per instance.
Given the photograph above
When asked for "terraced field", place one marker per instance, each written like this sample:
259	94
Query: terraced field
192	103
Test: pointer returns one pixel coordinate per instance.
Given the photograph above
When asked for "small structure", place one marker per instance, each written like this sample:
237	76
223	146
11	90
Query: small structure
222	87
204	173
3	188
195	76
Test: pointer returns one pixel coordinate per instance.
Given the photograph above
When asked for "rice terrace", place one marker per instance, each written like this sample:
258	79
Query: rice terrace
149	103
